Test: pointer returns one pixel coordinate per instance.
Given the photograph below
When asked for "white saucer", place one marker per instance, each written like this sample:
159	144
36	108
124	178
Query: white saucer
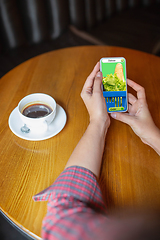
15	124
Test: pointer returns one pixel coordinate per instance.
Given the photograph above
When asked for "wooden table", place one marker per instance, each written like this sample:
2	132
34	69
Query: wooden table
130	173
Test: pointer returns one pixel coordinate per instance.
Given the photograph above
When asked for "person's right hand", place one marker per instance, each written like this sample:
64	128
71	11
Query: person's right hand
138	116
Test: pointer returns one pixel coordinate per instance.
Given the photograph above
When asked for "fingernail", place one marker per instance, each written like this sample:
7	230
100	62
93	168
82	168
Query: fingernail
113	115
99	74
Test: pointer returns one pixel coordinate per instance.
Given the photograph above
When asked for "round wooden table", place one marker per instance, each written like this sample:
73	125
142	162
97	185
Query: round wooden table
130	174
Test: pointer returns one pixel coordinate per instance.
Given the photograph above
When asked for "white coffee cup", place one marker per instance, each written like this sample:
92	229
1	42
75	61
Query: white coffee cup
37	124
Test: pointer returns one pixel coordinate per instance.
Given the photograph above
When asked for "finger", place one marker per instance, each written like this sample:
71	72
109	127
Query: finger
139	89
90	78
131	111
123	117
98	83
129	107
131	98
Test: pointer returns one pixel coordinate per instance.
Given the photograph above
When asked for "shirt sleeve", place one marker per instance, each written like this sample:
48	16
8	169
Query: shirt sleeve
76	182
75	208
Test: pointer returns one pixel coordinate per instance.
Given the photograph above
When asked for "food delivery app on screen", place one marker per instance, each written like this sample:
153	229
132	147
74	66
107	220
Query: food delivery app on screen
114	83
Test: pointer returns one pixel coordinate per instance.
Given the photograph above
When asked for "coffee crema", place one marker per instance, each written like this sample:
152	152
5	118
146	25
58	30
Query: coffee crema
37	110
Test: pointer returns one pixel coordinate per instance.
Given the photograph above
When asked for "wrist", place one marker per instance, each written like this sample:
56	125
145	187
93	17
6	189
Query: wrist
153	140
101	125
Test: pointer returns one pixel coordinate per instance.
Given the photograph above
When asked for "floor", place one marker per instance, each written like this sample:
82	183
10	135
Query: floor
8	232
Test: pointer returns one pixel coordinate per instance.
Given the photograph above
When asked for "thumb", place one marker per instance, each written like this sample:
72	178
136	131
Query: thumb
98	83
123	117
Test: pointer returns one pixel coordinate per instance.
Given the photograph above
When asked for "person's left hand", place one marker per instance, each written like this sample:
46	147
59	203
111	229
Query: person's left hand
92	96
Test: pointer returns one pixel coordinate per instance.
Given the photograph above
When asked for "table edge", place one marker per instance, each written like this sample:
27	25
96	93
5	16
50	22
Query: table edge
18	226
85	46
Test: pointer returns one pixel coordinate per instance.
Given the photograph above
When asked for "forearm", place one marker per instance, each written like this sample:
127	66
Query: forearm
88	153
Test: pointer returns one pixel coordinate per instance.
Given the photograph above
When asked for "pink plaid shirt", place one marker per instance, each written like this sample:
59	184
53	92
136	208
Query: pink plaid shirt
76	209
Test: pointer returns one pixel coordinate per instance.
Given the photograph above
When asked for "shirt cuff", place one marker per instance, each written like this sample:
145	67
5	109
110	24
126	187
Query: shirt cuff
77	182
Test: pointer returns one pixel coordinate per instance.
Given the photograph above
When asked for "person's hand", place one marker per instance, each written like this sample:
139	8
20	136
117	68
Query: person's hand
92	96
138	116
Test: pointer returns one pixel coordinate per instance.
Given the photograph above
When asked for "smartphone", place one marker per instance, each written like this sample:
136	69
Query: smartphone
114	83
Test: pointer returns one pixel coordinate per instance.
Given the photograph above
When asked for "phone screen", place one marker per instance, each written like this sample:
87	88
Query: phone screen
114	83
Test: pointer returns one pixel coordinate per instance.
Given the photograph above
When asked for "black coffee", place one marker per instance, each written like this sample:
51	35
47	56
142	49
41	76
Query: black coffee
37	110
